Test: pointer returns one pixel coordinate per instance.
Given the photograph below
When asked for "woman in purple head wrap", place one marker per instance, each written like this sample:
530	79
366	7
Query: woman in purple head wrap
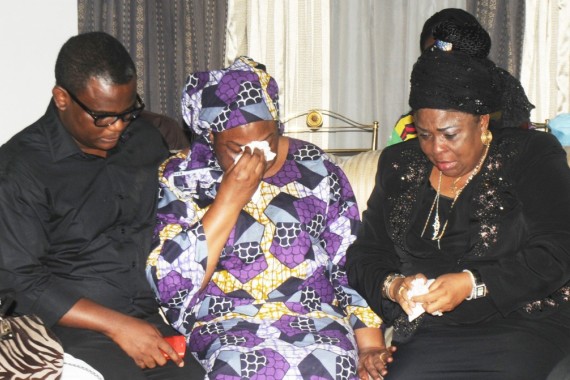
251	239
465	243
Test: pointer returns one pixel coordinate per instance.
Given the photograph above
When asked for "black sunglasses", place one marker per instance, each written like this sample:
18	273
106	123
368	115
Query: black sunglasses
104	120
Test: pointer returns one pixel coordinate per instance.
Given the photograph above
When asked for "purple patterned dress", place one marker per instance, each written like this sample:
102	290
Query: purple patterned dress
278	305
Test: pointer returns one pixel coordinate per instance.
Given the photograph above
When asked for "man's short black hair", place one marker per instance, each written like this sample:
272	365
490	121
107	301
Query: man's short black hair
93	55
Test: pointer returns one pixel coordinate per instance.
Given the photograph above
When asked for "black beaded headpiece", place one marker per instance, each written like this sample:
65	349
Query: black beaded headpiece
456	16
454	80
455	74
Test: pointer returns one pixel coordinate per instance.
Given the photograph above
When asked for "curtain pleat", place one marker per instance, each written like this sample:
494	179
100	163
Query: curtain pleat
291	37
505	21
546	61
167	39
374	44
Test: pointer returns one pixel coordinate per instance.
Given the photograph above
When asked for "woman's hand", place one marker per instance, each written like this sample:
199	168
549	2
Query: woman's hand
446	292
444	295
372	362
372	353
399	291
242	179
238	185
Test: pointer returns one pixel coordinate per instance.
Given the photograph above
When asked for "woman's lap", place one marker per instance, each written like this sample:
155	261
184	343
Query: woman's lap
280	349
501	349
321	363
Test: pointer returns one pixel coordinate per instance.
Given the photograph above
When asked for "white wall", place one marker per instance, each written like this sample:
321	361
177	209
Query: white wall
31	33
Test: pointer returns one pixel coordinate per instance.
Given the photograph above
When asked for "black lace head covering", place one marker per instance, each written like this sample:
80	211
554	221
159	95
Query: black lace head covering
470	38
455	74
454	80
456	16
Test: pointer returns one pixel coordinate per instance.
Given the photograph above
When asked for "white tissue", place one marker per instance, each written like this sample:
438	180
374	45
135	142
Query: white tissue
267	152
418	288
262	146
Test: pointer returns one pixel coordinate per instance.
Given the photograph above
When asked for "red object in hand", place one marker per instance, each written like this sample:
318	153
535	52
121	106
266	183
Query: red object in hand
178	342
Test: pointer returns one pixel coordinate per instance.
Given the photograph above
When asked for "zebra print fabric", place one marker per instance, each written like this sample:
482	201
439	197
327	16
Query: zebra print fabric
29	350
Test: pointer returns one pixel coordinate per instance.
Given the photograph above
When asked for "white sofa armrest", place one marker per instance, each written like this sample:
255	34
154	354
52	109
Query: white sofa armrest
76	369
361	172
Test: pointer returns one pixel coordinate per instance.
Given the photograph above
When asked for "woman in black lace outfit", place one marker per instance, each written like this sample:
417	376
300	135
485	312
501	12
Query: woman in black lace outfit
463	31
485	214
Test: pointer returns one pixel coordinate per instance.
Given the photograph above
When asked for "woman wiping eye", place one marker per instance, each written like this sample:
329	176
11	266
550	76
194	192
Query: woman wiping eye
251	242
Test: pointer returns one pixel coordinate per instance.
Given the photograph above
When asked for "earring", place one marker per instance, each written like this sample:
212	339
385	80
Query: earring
486	137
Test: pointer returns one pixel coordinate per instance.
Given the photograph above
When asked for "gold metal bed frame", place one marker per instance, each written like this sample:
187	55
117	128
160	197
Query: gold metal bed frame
314	122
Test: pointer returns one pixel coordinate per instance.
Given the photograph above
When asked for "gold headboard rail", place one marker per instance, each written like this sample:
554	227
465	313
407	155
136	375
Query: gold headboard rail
543	127
314	122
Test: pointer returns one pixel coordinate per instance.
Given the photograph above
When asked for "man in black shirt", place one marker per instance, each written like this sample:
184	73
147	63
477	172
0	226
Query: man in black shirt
78	191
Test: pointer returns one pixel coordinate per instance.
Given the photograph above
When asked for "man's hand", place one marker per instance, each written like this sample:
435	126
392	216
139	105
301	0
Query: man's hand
143	342
138	338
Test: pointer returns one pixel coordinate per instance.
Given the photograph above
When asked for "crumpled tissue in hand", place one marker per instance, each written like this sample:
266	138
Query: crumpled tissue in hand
267	152
262	146
418	288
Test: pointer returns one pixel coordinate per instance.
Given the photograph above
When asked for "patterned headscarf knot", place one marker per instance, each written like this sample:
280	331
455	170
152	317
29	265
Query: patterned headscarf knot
218	100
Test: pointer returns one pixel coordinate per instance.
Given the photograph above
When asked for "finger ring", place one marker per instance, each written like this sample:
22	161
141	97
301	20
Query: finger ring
402	289
437	313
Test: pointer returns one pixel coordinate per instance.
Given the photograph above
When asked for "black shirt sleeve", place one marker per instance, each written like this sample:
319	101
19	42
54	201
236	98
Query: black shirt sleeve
24	244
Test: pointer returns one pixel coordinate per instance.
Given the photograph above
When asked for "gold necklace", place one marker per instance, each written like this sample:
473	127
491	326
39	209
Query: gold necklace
435	205
436	223
454	184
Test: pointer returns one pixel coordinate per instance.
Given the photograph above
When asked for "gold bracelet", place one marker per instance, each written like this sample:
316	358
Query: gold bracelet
388	282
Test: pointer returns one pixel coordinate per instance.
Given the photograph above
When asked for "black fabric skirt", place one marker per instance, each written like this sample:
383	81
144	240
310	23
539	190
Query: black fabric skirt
501	349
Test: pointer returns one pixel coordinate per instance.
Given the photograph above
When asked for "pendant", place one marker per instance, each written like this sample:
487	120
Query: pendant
436	226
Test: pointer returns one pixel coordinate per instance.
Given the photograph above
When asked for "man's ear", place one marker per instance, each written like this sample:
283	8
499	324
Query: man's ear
61	98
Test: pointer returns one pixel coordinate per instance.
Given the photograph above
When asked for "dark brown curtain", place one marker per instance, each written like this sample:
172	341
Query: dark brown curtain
168	39
504	20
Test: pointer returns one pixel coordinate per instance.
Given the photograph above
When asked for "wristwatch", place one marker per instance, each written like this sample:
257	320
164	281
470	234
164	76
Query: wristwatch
479	289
